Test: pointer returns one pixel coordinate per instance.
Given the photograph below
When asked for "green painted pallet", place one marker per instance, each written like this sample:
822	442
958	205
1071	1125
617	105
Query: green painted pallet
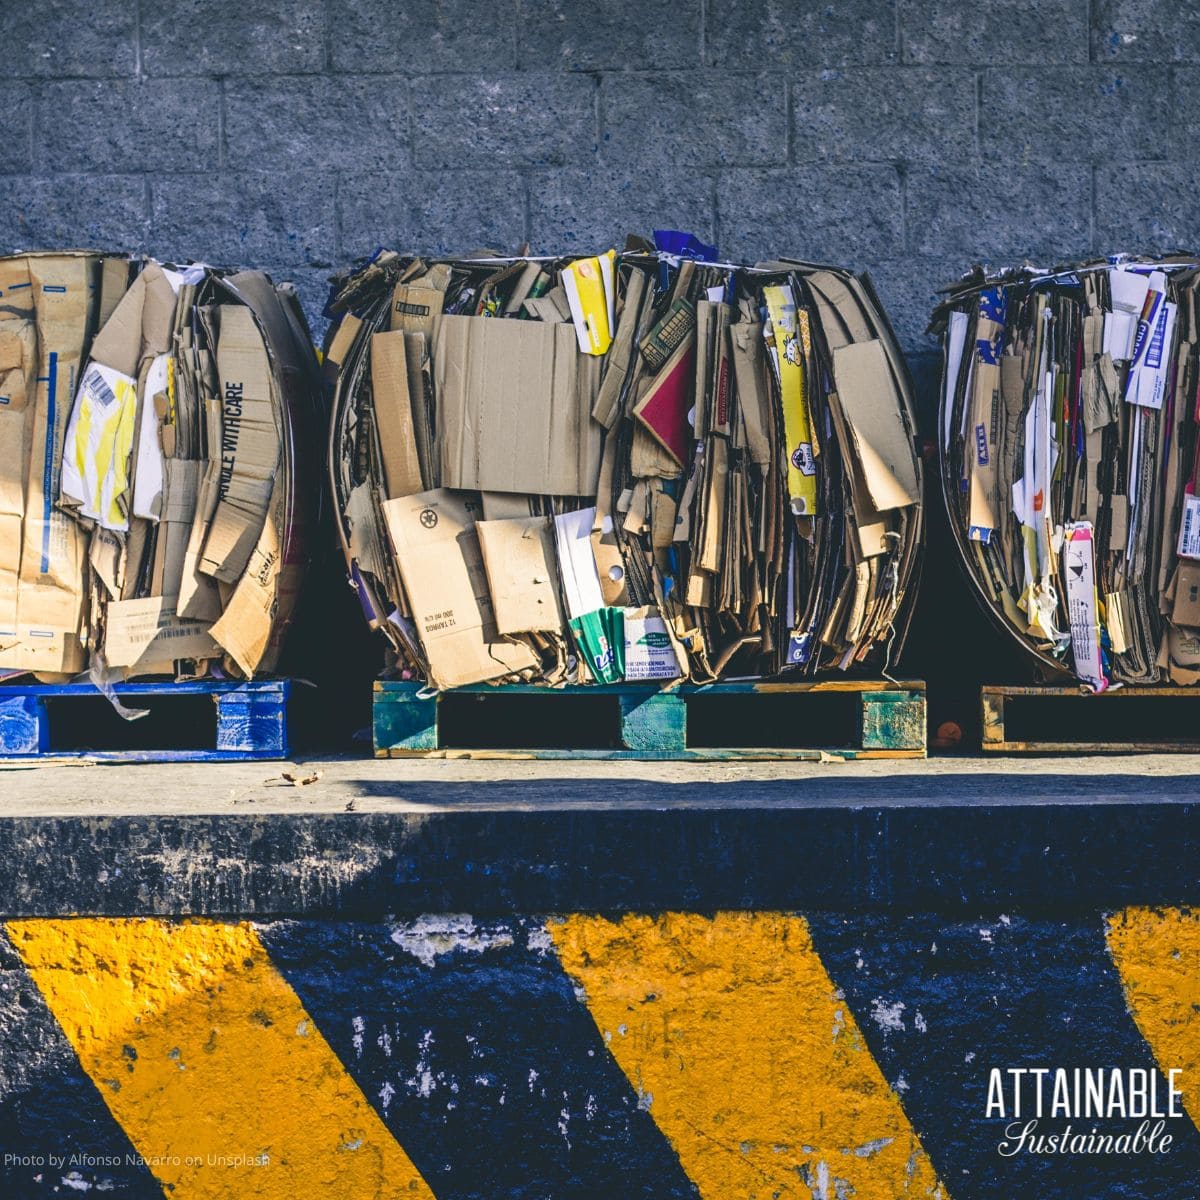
642	721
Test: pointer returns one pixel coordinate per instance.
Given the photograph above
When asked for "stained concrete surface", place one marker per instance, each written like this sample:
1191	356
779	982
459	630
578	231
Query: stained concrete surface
78	787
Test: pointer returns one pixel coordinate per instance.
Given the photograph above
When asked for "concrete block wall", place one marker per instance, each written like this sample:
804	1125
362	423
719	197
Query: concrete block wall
910	137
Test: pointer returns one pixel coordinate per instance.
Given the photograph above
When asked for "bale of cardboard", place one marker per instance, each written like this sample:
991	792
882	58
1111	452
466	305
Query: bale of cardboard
159	433
1069	447
644	466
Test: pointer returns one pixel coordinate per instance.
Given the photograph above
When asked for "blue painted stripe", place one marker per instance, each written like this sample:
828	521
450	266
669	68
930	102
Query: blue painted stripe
941	1002
49	1106
48	473
16	287
483	1063
56	288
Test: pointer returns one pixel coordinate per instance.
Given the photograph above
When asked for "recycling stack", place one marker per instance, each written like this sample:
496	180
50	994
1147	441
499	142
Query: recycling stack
1069	460
649	481
159	434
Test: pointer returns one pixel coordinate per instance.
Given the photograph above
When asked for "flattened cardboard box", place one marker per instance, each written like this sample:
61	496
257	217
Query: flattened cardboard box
515	403
54	305
437	550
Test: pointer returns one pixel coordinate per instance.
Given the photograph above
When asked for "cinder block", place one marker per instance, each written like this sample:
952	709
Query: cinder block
1089	114
435	212
217	37
423	36
332	122
574	210
245	219
1005	31
842	214
567	35
752	34
89	38
16	128
1145	31
1000	213
1184	125
884	114
503	120
73	210
694	119
1147	207
128	125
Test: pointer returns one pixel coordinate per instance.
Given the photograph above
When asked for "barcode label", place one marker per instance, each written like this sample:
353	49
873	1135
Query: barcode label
1189	527
98	388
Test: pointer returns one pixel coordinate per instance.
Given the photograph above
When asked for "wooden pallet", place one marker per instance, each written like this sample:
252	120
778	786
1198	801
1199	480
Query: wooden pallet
1118	709
251	720
643	721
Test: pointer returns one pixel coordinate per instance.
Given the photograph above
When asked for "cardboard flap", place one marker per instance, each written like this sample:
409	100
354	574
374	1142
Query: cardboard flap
393	413
158	311
518	555
416	309
752	390
119	344
148	630
250	446
437	551
881	443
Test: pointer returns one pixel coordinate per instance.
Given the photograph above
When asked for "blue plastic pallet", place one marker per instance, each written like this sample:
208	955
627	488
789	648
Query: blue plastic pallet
252	719
652	722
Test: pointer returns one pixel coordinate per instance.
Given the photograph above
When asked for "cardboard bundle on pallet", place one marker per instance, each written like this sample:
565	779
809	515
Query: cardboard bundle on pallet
1069	461
158	432
644	466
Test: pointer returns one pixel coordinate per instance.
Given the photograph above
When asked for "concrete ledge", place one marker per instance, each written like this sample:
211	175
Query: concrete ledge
1055	857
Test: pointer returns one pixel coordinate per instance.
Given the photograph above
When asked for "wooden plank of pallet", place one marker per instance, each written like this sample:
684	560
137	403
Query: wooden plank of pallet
993	699
251	719
691	754
653	720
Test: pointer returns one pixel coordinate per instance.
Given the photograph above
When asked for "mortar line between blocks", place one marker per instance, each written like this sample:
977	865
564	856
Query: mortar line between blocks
789	128
978	117
598	109
222	126
715	193
1093	223
338	237
527	199
35	104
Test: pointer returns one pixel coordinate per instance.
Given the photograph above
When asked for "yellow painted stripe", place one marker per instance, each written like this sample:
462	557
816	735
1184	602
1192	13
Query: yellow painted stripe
1157	955
204	1053
744	1053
